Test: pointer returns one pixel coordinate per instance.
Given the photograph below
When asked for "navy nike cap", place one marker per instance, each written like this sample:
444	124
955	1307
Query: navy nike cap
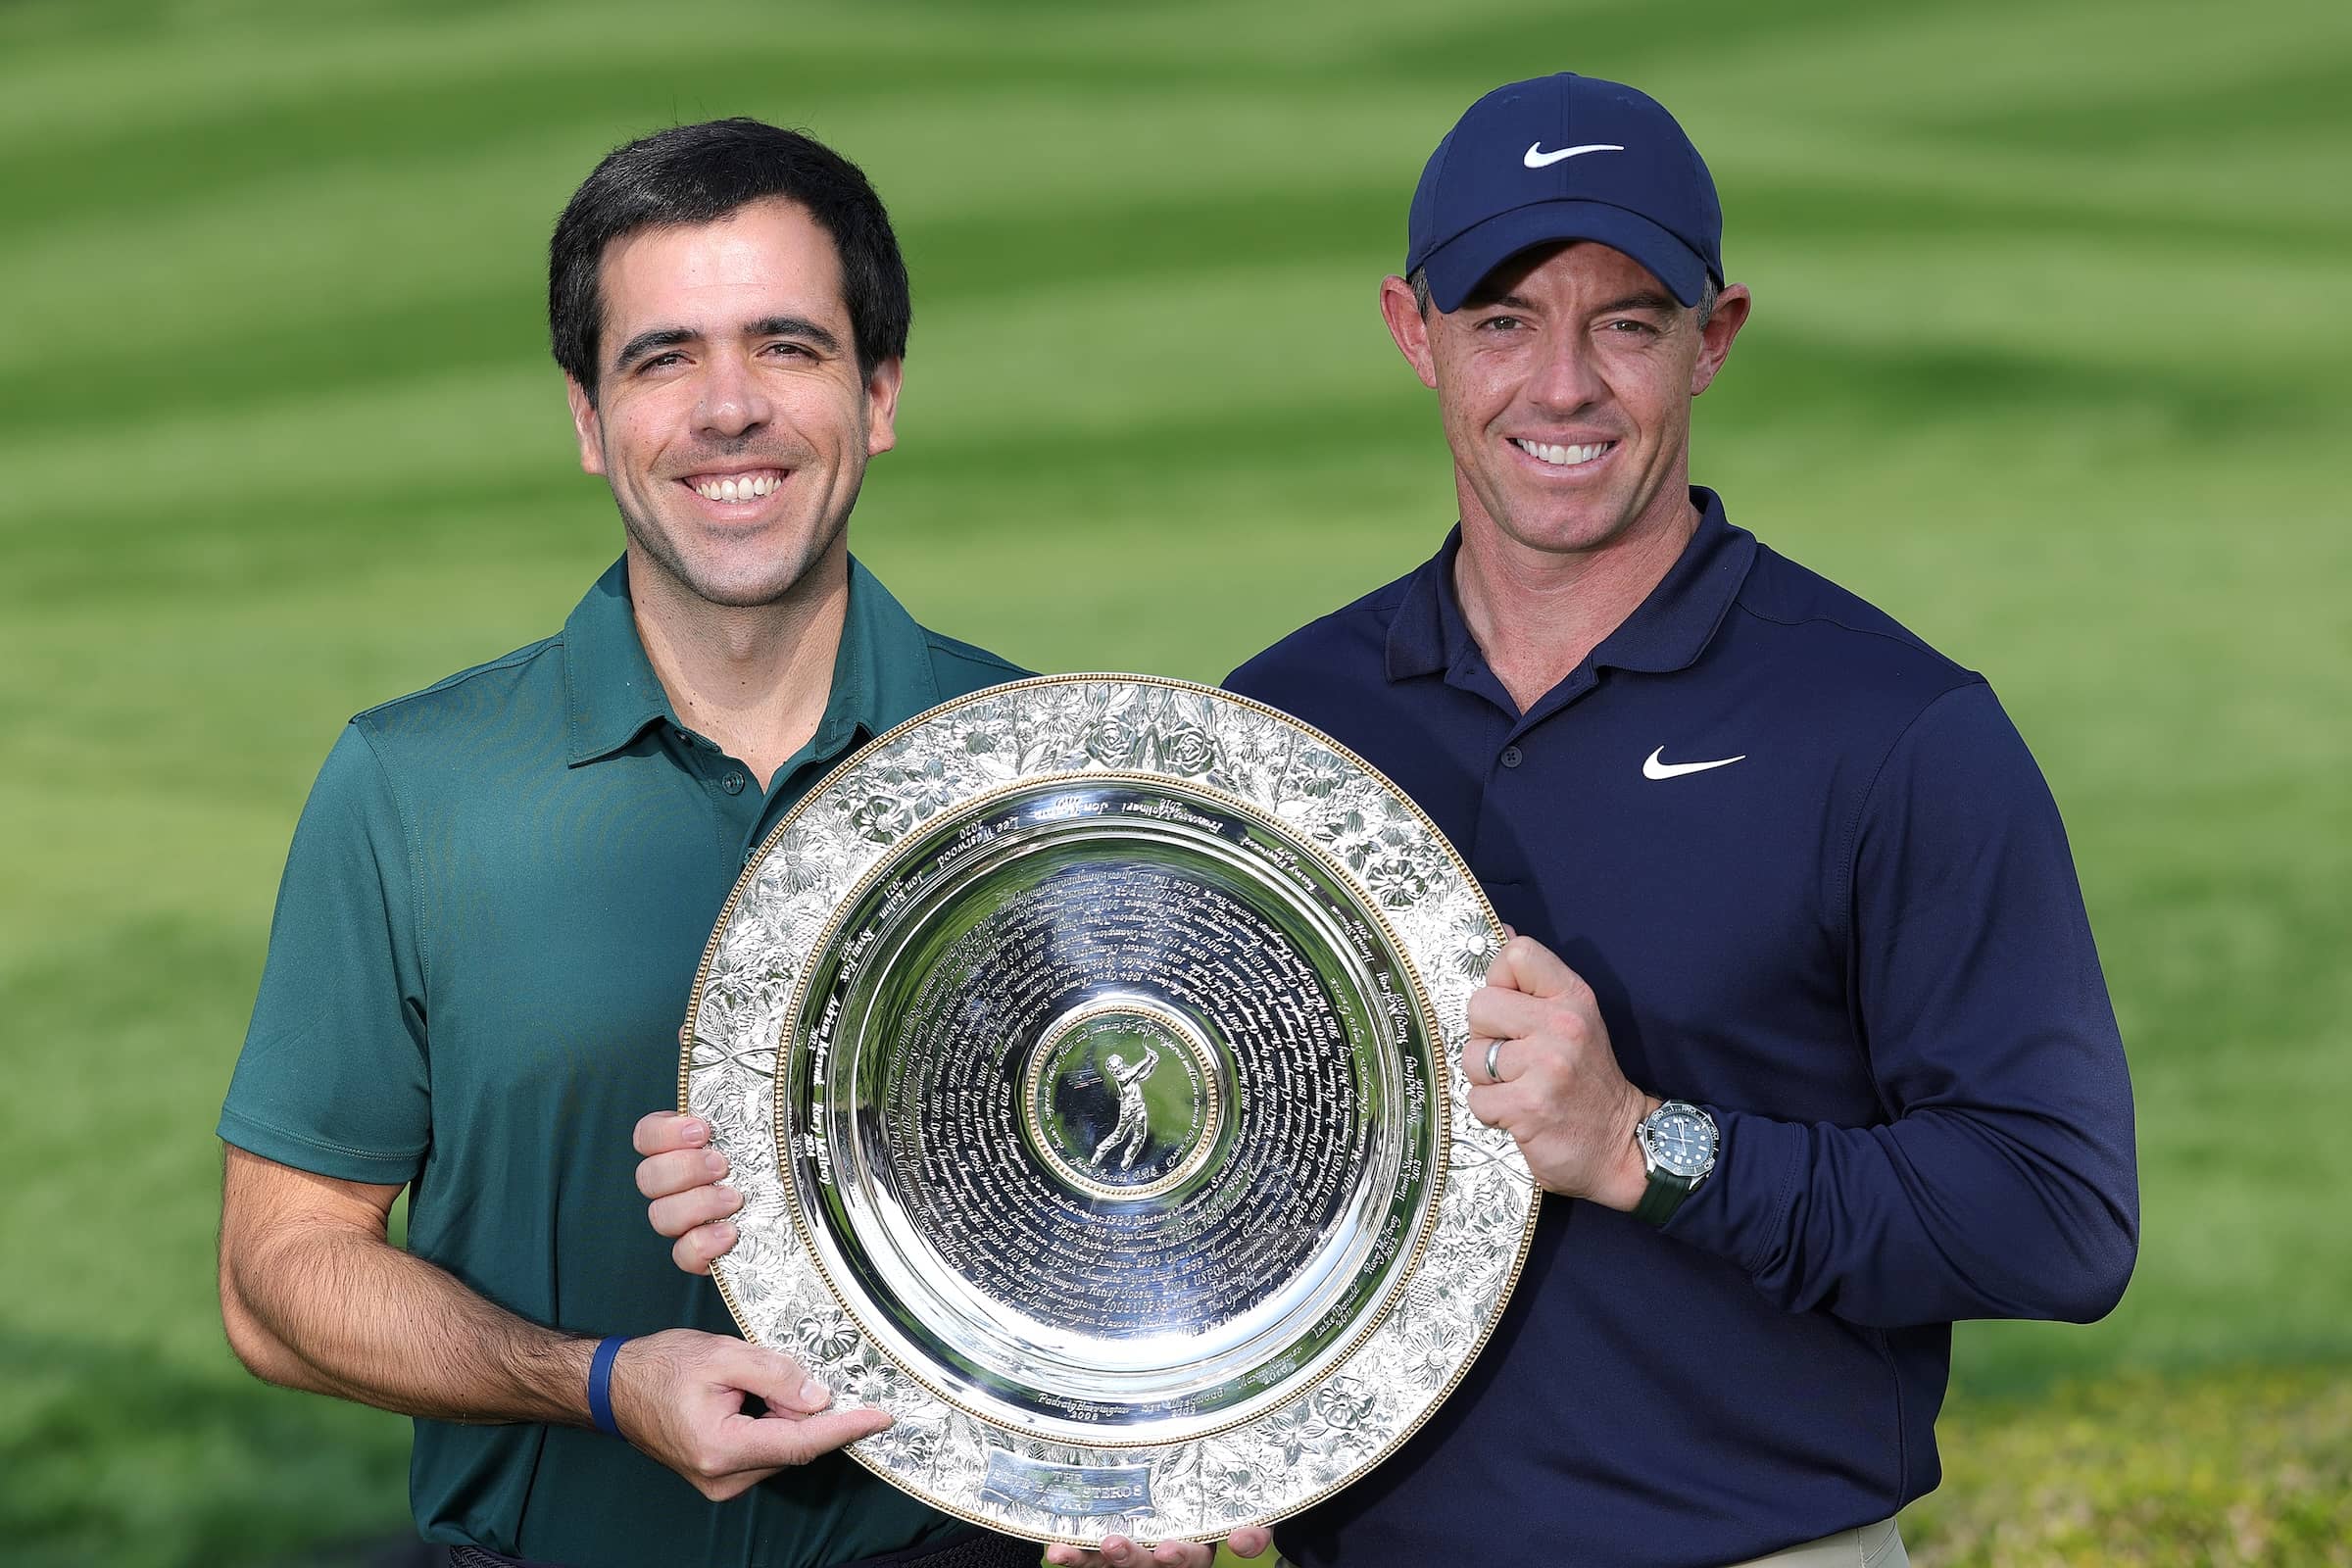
1563	158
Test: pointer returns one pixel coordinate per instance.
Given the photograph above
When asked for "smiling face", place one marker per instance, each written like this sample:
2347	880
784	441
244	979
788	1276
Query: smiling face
1565	381
730	417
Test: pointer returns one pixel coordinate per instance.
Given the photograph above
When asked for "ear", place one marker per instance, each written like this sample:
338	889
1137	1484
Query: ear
1408	328
587	426
1715	339
882	407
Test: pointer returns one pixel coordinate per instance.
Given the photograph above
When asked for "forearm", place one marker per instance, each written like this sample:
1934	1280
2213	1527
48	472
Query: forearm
331	1310
1937	1216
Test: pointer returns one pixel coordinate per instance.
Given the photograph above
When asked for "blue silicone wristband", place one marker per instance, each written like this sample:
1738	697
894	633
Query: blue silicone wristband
600	1383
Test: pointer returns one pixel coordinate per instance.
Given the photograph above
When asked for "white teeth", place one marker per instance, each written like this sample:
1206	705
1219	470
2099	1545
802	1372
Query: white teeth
1561	456
745	489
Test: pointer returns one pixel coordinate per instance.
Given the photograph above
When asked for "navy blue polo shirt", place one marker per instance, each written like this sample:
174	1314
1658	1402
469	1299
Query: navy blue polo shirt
1859	942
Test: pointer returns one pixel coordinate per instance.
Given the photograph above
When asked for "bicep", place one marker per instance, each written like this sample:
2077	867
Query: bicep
1978	981
333	1075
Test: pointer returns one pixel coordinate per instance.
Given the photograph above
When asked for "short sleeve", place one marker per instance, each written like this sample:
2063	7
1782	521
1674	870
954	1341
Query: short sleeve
334	1074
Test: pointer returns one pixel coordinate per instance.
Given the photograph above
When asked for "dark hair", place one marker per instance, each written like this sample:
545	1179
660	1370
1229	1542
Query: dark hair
699	174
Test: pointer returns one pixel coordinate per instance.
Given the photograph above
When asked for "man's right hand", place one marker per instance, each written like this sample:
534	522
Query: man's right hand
314	1296
679	1395
683	1179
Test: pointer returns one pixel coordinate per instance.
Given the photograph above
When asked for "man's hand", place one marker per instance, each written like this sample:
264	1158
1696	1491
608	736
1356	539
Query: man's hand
1118	1551
314	1296
683	1179
1557	1088
679	1397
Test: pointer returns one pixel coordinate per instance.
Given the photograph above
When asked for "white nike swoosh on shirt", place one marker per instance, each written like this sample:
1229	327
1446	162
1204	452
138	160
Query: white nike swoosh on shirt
1538	158
1653	767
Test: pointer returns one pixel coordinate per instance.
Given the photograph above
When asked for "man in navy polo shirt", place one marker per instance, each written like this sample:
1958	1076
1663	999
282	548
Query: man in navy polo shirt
1803	1009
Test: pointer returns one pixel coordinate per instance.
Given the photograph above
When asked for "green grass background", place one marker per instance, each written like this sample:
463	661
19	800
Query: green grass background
2049	359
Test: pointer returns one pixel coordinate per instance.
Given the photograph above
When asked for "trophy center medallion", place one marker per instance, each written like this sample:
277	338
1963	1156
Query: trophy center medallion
1122	1100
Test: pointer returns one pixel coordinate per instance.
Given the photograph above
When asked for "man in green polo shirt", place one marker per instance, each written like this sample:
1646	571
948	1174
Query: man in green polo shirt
501	887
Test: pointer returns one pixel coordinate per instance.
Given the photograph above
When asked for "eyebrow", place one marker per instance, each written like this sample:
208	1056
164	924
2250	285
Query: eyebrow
644	343
1643	300
670	337
793	326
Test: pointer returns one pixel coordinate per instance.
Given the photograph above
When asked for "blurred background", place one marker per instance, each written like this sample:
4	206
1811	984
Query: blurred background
2051	359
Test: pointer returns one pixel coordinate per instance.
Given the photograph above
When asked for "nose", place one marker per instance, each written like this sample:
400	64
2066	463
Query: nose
733	401
1566	377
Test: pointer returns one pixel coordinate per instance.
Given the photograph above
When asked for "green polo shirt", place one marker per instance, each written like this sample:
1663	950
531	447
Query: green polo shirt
497	897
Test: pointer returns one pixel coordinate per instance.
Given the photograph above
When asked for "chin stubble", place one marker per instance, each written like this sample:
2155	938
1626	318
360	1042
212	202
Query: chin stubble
660	549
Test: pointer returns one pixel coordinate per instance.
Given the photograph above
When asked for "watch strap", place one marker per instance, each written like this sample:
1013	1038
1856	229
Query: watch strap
1663	1196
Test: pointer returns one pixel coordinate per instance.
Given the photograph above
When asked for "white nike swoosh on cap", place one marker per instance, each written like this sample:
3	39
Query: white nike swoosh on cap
1538	158
1653	767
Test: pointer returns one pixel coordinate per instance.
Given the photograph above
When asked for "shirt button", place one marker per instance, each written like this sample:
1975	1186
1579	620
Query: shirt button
1511	757
732	783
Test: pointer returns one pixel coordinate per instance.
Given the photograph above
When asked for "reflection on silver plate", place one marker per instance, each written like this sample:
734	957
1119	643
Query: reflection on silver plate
1088	1052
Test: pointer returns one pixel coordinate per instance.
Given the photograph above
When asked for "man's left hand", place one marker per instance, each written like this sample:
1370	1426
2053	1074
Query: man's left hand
1118	1551
1557	1090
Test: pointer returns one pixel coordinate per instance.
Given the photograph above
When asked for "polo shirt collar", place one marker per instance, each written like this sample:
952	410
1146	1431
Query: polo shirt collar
1667	631
881	674
609	683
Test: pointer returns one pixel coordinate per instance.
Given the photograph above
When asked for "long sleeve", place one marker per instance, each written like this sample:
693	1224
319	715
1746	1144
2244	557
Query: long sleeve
2004	1182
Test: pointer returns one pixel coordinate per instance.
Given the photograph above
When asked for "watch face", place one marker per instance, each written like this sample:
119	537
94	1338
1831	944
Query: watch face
1681	1139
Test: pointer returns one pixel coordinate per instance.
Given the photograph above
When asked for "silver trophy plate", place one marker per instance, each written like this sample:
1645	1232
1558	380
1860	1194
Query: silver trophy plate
1088	1052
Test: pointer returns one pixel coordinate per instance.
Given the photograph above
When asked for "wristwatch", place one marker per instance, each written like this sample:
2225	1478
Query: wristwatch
1678	1143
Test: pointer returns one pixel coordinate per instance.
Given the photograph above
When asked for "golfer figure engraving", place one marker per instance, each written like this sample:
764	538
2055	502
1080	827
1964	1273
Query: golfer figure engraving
1135	1118
1090	1120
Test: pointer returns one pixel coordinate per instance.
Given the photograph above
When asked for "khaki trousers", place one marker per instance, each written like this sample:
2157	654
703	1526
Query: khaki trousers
1878	1545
